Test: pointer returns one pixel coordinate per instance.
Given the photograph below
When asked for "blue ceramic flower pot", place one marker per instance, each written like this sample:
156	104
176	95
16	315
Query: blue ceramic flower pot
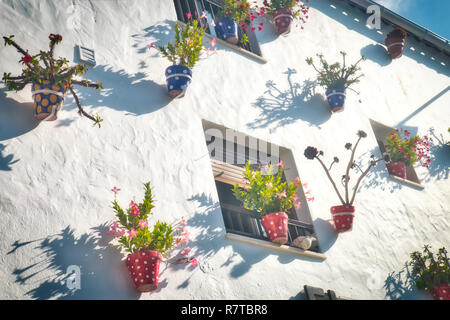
336	99
48	99
227	29
178	78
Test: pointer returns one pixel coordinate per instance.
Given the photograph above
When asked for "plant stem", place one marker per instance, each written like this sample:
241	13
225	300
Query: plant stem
372	163
80	109
331	180
348	169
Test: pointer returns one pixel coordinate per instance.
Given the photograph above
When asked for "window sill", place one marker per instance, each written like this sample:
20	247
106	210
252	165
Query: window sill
408	182
232	46
270	245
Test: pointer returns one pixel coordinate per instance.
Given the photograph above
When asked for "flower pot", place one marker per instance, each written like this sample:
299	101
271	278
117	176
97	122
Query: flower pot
283	21
48	99
343	217
178	78
395	42
397	169
336	99
442	292
276	226
227	29
144	269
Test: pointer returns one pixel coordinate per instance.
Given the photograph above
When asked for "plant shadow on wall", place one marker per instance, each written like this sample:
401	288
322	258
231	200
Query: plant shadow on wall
285	106
102	273
16	118
440	156
160	34
6	161
401	286
356	20
377	54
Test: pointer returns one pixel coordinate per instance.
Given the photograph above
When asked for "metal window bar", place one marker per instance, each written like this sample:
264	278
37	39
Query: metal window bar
234	217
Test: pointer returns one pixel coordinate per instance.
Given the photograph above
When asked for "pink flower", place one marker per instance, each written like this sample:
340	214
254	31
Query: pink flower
133	204
298	205
115	190
280	164
213	42
151	46
295	198
281	195
212	24
269	185
135	211
143	224
407	132
131	233
189	15
203	15
120	233
194	261
310	199
185	251
297	181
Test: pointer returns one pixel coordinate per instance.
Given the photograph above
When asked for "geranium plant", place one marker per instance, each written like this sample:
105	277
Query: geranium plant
346	199
283	12
266	193
148	243
432	271
403	147
51	76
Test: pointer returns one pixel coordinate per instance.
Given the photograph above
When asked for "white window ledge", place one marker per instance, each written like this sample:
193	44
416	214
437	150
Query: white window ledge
271	245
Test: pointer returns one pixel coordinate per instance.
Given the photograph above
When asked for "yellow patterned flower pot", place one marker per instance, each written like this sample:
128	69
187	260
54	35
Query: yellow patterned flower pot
48	99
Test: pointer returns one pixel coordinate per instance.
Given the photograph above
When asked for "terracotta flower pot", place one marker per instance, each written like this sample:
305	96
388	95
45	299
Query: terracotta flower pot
178	78
336	99
283	21
48	99
395	42
442	292
227	29
343	217
144	269
397	169
276	226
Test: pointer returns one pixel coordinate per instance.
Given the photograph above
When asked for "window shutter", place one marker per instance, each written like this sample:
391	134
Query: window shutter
227	173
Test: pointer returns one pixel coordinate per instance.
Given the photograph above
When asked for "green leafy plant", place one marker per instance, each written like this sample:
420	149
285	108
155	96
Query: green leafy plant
408	149
298	9
134	233
336	75
267	192
429	270
187	46
43	67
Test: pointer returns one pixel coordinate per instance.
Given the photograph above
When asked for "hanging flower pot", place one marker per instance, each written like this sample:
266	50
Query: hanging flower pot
48	99
144	269
343	217
442	292
395	42
282	19
397	169
227	29
178	78
276	226
336	99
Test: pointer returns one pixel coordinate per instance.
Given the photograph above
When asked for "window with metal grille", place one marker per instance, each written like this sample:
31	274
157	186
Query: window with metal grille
211	8
238	220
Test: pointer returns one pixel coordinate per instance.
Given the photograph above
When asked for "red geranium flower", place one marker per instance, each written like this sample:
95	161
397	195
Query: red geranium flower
27	59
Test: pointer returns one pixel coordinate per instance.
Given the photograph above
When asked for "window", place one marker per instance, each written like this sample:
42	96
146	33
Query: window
229	151
211	8
381	132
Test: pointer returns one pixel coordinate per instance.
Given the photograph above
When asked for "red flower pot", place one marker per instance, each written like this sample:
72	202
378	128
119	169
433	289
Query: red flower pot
397	169
276	226
395	41
343	217
283	20
144	269
442	292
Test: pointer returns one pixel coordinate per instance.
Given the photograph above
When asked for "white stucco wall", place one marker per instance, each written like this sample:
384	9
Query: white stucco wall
55	177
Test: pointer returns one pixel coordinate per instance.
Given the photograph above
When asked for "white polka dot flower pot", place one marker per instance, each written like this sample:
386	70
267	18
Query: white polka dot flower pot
283	21
276	226
227	29
336	99
144	269
397	169
441	292
48	99
178	78
343	217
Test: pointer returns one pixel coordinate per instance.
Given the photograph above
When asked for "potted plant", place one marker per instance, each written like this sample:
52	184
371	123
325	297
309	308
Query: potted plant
270	197
50	79
336	78
283	12
432	272
406	150
233	14
148	244
395	42
184	54
343	214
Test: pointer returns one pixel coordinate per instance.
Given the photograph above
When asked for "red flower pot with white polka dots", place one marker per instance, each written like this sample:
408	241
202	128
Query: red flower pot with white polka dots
397	169
276	226
144	269
343	217
283	20
442	292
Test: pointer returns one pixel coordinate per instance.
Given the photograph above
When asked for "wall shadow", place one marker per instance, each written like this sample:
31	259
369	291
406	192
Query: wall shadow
6	161
326	233
413	49
280	106
377	54
103	273
16	118
440	156
400	286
